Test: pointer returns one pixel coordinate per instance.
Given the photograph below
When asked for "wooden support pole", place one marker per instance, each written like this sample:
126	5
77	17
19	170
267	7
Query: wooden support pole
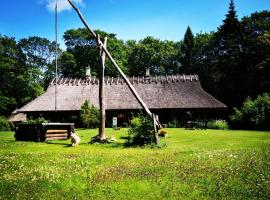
102	120
155	128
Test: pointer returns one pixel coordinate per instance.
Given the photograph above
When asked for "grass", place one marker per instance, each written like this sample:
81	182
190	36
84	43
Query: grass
212	164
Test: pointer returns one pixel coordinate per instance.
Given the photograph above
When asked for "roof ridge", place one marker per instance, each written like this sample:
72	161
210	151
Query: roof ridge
134	80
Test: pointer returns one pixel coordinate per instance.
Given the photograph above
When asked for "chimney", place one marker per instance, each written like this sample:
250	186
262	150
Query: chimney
88	72
147	73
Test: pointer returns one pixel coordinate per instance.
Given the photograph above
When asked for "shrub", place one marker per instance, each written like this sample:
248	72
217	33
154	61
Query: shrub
135	122
89	115
217	124
141	132
253	114
4	124
173	124
39	120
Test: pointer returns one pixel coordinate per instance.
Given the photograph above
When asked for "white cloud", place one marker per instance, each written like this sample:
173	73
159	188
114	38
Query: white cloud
62	5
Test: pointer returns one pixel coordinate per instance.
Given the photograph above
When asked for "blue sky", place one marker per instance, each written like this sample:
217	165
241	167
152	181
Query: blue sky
129	19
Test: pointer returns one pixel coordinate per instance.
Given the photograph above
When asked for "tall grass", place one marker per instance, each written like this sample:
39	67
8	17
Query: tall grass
217	124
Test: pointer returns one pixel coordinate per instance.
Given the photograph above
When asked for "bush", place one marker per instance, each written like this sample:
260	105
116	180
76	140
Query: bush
173	124
89	115
217	124
141	132
4	124
39	120
253	114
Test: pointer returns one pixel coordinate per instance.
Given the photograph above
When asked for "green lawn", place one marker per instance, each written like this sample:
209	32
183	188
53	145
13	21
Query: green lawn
197	164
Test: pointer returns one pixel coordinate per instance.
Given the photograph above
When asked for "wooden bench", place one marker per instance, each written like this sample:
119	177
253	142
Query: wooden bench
43	132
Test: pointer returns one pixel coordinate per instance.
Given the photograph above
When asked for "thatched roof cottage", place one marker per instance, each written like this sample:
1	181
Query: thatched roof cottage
167	96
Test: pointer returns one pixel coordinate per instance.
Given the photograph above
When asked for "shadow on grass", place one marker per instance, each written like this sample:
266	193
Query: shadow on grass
58	143
108	145
125	137
118	145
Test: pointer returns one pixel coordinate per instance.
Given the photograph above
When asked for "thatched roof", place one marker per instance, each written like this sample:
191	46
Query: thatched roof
17	117
162	92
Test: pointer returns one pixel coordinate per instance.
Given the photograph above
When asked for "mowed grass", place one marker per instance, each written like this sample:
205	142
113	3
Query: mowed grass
200	164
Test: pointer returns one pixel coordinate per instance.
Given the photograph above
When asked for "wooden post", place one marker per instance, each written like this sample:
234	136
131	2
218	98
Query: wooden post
102	120
155	128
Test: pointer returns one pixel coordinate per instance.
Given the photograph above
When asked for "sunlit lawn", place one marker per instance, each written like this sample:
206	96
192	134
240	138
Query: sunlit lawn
201	164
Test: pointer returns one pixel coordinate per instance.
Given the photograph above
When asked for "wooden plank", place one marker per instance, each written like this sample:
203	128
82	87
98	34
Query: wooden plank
56	138
56	135
56	131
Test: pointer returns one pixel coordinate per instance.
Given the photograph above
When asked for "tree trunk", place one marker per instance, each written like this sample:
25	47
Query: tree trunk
102	112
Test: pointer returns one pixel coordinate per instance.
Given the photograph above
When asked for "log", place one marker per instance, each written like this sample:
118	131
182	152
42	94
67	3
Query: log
56	135
56	131
56	138
155	129
102	135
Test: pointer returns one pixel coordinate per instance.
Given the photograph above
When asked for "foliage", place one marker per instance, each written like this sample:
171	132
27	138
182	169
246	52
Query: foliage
226	59
173	124
150	53
18	85
211	164
89	115
254	114
234	60
141	132
38	120
187	49
4	124
68	66
85	53
217	124
39	51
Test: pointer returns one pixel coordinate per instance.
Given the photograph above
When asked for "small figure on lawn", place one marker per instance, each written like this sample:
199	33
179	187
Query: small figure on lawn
75	139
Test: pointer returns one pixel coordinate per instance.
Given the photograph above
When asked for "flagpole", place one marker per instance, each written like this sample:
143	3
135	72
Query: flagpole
56	54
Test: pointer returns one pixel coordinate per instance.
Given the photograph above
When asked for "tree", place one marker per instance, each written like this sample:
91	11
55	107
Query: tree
256	47
67	65
187	52
225	55
254	114
89	115
202	60
17	85
84	49
150	53
39	53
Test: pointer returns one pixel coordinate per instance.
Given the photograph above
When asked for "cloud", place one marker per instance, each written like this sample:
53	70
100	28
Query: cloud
62	5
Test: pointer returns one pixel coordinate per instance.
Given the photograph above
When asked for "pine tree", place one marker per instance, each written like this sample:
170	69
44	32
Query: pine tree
231	24
227	79
187	51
